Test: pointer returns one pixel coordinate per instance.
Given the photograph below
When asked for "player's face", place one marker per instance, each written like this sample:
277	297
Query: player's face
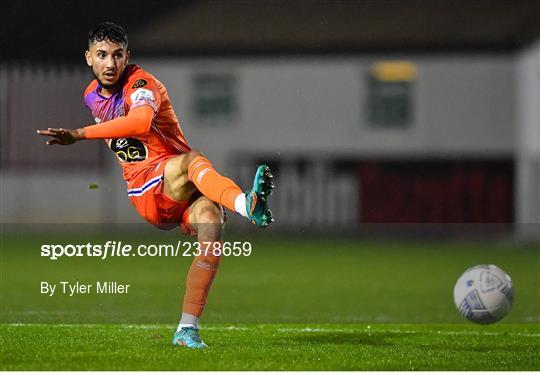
108	61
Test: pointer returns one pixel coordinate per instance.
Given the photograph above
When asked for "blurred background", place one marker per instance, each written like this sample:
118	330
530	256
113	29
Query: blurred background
369	111
378	117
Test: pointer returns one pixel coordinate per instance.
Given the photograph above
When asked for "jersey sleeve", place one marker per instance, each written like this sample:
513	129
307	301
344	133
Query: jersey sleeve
142	89
86	95
136	123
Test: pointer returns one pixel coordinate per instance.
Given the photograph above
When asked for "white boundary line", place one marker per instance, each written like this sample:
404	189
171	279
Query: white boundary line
368	329
398	331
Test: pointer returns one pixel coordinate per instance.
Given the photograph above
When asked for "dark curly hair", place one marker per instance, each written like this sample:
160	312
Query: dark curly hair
108	31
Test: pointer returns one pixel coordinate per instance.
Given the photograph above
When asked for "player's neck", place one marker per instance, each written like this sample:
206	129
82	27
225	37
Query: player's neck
108	92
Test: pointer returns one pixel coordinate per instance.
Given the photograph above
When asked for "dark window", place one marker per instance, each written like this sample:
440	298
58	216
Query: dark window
390	94
215	97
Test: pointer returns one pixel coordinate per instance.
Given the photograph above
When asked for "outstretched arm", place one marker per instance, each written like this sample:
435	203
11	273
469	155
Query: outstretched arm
136	123
62	136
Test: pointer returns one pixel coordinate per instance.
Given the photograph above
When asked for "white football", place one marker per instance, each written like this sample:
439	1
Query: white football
484	294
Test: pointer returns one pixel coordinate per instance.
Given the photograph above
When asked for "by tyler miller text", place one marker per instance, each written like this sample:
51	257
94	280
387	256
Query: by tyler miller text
79	288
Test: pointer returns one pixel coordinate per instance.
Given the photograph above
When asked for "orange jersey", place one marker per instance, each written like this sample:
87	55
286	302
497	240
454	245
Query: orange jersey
165	137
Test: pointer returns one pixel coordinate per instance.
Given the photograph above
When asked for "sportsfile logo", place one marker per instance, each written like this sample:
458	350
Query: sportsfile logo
111	248
119	249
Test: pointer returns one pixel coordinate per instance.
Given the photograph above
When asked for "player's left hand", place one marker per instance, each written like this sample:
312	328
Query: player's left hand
62	136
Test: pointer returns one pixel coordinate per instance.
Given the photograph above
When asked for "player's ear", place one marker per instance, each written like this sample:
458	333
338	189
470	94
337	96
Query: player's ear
127	57
88	57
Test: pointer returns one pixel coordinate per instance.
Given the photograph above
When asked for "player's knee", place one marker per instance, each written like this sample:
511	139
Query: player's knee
191	155
210	213
178	166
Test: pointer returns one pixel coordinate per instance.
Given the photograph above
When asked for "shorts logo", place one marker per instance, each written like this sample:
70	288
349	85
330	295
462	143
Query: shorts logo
129	149
139	83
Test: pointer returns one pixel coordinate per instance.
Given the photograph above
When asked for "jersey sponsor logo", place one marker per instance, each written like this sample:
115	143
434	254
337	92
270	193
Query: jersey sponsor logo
142	94
121	143
139	83
129	149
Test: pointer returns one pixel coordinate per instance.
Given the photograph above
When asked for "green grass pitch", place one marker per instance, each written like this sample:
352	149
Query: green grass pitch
294	304
273	347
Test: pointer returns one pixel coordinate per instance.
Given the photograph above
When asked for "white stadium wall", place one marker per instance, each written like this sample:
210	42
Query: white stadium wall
464	106
527	195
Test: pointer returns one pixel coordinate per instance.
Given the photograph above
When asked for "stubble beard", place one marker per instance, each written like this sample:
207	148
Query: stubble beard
107	85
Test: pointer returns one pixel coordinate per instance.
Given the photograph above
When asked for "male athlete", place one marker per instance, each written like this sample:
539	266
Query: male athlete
169	183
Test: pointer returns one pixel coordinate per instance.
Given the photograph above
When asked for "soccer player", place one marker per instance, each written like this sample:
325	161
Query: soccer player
168	183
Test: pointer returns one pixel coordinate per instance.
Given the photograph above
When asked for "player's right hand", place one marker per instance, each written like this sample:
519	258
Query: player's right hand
62	136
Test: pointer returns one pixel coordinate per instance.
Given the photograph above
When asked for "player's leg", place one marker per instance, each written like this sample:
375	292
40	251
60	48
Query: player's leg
207	219
192	170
